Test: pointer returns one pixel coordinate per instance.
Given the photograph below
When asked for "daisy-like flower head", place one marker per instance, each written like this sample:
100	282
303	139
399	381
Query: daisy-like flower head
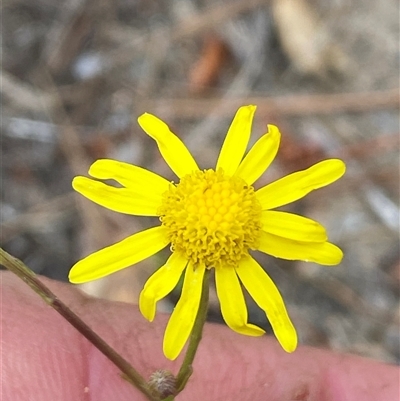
211	219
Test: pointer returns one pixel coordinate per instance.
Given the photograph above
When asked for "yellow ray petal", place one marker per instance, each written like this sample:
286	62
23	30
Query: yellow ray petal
122	200
236	140
172	149
123	254
292	226
267	297
130	176
182	319
323	253
160	284
260	156
294	186
233	306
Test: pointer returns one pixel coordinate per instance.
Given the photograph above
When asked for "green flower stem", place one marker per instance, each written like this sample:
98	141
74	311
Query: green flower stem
30	278
186	369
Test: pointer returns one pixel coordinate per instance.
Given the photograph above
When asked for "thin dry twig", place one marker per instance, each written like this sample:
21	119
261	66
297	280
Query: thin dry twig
23	96
74	152
290	105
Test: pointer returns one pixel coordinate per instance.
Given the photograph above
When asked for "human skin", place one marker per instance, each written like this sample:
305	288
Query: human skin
45	359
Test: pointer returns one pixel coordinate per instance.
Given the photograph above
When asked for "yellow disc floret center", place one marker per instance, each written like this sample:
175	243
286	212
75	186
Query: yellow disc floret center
211	218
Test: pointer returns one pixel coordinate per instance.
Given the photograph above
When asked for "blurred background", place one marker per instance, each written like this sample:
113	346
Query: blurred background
76	75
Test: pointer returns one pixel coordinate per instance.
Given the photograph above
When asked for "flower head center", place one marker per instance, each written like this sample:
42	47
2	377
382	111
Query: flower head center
211	218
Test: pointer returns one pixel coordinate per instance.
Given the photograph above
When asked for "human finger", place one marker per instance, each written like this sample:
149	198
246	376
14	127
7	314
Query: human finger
46	359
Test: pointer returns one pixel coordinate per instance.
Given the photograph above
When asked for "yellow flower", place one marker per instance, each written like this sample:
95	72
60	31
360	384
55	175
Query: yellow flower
211	218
